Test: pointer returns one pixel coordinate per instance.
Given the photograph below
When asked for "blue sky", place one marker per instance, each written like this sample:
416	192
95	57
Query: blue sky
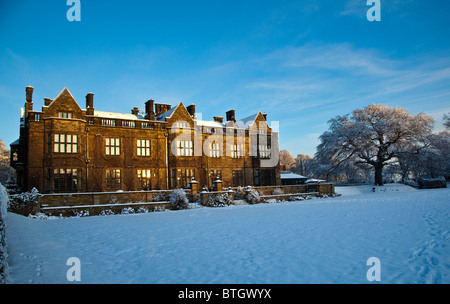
302	62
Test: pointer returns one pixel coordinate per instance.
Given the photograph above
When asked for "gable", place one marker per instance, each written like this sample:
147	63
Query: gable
65	103
179	113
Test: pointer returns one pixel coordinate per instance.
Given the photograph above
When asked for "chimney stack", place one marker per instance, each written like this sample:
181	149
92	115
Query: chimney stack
29	100
231	115
191	110
47	101
90	104
149	113
162	108
218	119
265	116
29	91
135	111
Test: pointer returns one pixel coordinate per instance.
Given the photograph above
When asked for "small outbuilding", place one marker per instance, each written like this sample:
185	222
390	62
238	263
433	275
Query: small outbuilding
292	179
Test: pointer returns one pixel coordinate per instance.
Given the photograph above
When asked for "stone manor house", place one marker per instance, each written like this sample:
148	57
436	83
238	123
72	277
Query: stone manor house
66	149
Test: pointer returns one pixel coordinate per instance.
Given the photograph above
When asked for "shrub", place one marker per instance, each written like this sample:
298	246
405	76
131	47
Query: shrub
23	203
142	210
178	199
127	210
239	193
271	201
159	209
277	191
221	200
253	197
161	197
107	212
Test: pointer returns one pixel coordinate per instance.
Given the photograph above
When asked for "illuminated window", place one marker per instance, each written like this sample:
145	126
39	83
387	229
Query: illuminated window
112	146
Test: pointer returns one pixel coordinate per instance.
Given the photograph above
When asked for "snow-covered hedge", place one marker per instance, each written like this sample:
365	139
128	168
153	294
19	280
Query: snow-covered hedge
3	253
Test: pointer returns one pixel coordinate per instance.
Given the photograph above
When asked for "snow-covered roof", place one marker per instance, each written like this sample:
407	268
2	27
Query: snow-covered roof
291	176
112	115
248	120
207	123
167	114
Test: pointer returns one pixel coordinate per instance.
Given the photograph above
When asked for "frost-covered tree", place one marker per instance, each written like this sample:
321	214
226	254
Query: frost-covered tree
434	160
447	121
7	173
372	136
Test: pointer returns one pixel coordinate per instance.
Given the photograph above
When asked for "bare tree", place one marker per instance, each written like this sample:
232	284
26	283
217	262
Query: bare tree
287	161
301	165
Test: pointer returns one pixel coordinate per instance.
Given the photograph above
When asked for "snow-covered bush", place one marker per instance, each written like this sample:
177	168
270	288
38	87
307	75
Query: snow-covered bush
271	201
3	247
253	197
239	193
81	213
161	197
23	203
178	199
113	200
277	191
142	210
159	209
127	210
107	212
221	200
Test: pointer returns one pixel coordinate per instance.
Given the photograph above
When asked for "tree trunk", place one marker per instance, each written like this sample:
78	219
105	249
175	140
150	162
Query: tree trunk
379	175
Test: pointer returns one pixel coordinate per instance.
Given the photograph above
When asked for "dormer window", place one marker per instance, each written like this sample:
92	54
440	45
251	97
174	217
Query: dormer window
68	115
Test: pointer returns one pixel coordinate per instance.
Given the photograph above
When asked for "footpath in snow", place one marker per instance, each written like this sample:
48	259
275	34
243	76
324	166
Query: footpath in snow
315	241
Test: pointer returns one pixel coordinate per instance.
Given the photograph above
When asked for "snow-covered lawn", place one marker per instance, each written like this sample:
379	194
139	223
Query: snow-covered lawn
314	241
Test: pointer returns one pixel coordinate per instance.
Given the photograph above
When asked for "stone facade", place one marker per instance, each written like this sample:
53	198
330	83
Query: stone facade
66	149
